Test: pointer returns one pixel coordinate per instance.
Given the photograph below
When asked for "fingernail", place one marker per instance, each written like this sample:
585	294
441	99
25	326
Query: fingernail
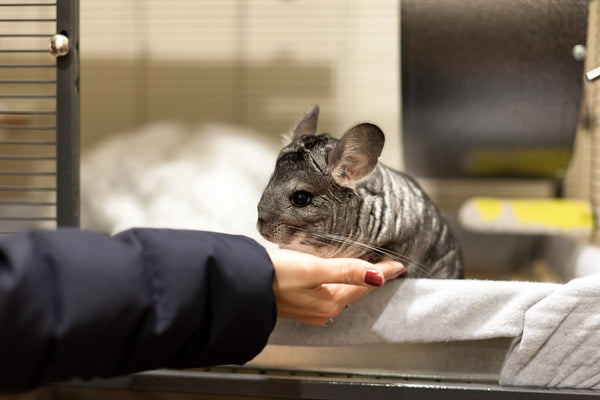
373	278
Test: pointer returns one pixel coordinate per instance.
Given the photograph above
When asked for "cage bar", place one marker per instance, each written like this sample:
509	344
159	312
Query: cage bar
68	117
28	118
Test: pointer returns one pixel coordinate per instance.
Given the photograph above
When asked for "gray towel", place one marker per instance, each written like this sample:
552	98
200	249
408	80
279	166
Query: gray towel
421	311
560	343
556	327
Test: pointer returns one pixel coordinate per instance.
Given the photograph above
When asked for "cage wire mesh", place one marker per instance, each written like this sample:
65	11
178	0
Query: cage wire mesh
27	117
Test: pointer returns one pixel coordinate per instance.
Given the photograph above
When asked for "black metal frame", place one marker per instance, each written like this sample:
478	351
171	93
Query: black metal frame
265	384
68	117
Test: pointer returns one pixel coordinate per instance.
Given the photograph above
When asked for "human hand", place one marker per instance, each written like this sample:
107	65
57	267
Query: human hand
313	289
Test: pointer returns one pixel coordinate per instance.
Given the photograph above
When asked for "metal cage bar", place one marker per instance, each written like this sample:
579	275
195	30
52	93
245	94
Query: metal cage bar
39	117
28	117
68	117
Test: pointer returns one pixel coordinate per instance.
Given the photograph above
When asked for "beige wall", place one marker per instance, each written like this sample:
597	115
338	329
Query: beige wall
259	63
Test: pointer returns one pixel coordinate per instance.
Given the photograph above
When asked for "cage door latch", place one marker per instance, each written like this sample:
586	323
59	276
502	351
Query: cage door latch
59	45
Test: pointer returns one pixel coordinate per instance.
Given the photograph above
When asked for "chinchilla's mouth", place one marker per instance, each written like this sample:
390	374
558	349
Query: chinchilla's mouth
305	243
296	238
299	247
278	233
317	250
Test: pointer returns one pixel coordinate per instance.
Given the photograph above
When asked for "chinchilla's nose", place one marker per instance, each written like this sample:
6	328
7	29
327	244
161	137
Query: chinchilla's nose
262	223
262	214
263	209
268	210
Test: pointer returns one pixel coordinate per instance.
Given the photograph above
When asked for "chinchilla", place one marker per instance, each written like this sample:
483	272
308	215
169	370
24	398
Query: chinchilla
332	198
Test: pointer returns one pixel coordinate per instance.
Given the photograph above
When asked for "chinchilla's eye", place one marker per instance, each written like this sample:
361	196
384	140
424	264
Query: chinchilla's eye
301	198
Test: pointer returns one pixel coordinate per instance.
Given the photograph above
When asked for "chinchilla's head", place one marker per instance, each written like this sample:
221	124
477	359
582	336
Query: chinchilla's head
312	190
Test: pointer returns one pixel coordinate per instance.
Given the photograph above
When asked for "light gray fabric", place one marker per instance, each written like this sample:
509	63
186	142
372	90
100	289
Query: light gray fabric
560	343
556	327
421	311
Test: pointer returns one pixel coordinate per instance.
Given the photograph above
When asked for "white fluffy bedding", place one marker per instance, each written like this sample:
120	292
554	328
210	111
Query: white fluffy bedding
207	177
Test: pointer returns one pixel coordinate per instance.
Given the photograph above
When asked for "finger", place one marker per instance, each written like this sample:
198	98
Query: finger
355	272
324	302
317	321
341	296
329	300
349	271
349	294
391	269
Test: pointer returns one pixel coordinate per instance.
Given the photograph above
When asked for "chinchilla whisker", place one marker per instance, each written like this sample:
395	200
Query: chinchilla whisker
320	240
390	254
393	255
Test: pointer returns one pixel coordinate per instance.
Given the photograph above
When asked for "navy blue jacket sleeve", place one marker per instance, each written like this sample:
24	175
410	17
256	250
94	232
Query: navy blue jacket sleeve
82	304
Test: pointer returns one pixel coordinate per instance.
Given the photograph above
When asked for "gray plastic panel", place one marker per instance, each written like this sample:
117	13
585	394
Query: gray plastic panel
490	88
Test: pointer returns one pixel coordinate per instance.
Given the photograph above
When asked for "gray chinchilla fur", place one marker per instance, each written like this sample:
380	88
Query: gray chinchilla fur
332	198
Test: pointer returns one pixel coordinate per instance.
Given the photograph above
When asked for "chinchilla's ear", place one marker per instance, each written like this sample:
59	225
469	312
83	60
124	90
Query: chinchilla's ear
308	125
355	155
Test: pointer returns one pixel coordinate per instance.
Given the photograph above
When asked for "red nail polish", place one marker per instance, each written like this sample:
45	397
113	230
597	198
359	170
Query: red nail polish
374	278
